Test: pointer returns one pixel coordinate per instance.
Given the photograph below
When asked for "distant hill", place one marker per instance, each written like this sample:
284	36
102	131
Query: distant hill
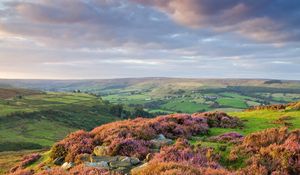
109	84
6	93
171	95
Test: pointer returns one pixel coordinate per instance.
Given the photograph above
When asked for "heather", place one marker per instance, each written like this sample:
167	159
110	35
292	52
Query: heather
26	160
273	150
179	144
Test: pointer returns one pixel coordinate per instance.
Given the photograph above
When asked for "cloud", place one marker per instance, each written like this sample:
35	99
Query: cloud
263	20
120	38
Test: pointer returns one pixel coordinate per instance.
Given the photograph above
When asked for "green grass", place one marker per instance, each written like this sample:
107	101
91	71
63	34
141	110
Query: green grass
232	102
254	121
43	119
185	106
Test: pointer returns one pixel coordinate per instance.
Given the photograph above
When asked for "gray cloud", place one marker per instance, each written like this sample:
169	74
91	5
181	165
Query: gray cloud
120	38
263	20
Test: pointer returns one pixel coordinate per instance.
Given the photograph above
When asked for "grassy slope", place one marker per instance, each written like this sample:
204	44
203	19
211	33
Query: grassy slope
48	118
254	121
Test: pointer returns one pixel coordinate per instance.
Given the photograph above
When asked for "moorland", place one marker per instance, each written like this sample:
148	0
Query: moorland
36	114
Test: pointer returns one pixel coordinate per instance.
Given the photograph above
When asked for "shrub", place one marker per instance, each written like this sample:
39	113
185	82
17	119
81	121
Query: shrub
26	160
53	171
231	137
76	143
220	120
182	152
130	147
272	151
77	170
166	168
22	172
172	168
58	151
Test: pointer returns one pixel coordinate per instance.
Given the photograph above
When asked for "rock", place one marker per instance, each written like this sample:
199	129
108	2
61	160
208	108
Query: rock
59	161
101	151
135	161
125	159
101	164
161	141
123	170
117	164
83	158
161	137
67	165
103	158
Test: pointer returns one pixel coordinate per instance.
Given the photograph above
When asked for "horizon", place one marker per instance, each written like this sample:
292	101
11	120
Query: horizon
123	78
101	39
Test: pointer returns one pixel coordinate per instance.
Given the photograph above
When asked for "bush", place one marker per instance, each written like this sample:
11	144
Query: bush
26	160
77	170
271	151
22	172
58	151
172	168
220	120
76	143
231	137
182	152
130	147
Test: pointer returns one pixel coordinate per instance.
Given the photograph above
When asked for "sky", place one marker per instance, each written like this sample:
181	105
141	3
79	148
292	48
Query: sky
97	39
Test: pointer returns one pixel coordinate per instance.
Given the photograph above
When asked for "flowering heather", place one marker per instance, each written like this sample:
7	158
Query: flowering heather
182	152
130	147
172	168
22	172
219	119
274	151
77	170
26	160
231	137
137	133
76	143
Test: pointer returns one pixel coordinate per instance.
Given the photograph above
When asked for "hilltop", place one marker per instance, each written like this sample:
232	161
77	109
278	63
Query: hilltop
262	140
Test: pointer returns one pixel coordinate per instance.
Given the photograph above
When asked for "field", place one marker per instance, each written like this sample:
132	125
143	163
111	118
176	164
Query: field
233	98
36	121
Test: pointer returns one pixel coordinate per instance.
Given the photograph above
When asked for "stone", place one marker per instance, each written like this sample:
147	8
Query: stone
100	151
161	141
84	158
161	137
117	164
59	161
67	165
103	158
134	161
101	164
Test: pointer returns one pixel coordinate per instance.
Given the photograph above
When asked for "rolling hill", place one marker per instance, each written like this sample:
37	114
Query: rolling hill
31	120
171	95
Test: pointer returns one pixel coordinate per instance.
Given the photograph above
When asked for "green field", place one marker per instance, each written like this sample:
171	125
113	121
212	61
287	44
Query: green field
36	121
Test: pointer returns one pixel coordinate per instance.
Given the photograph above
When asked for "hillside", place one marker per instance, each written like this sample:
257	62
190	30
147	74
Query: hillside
172	95
7	93
36	120
255	141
